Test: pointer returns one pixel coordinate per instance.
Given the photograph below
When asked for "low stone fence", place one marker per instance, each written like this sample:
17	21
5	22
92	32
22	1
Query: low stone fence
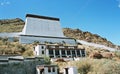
20	66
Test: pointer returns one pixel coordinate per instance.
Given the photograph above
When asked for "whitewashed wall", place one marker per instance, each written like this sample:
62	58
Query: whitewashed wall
15	34
26	39
38	50
42	27
71	70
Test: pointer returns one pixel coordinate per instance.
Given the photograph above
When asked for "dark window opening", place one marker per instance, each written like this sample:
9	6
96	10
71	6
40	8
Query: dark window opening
63	53
83	53
73	53
78	53
57	54
68	53
49	69
66	70
53	69
42	47
50	52
42	71
42	52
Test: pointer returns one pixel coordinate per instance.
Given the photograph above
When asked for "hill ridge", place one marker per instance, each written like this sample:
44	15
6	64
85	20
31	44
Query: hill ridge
17	24
88	36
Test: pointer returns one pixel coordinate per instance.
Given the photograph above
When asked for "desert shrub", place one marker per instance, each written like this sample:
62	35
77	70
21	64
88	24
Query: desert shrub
93	66
20	47
28	53
84	68
61	65
60	60
96	55
47	60
5	39
16	39
36	42
110	67
117	54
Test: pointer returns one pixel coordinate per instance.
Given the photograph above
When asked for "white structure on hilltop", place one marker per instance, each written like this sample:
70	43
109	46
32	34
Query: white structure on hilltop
42	26
43	29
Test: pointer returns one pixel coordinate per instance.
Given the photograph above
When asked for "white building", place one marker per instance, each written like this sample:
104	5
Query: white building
47	69
40	28
43	29
70	70
55	51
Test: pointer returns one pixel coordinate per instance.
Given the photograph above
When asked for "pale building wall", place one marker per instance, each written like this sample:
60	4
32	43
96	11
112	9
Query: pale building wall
14	34
66	56
42	27
71	70
46	70
39	49
27	39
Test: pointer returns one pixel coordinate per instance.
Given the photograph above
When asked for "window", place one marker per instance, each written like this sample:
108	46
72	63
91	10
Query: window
57	54
42	47
63	53
83	52
73	53
53	69
68	53
42	51
78	53
49	69
51	54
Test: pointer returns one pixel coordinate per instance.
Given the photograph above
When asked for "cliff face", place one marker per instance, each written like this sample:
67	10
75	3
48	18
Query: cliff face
87	36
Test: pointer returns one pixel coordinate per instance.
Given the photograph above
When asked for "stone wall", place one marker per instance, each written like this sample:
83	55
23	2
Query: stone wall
25	67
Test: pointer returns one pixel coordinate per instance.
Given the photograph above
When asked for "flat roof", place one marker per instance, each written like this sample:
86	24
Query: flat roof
42	17
47	65
46	36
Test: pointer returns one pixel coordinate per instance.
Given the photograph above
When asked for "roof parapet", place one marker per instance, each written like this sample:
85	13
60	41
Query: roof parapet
42	17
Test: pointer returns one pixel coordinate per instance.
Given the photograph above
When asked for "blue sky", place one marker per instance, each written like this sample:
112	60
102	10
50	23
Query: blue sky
100	17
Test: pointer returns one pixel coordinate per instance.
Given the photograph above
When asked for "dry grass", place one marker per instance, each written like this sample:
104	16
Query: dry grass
93	66
7	47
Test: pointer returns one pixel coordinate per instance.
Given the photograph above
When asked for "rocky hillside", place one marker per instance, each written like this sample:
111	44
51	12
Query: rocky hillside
11	25
16	25
87	36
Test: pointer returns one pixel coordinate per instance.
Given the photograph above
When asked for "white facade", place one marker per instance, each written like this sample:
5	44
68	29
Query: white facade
42	39
40	50
55	52
70	70
47	69
42	27
15	34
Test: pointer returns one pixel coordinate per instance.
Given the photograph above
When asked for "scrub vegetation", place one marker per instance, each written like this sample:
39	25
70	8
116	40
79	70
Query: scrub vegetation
8	48
93	66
